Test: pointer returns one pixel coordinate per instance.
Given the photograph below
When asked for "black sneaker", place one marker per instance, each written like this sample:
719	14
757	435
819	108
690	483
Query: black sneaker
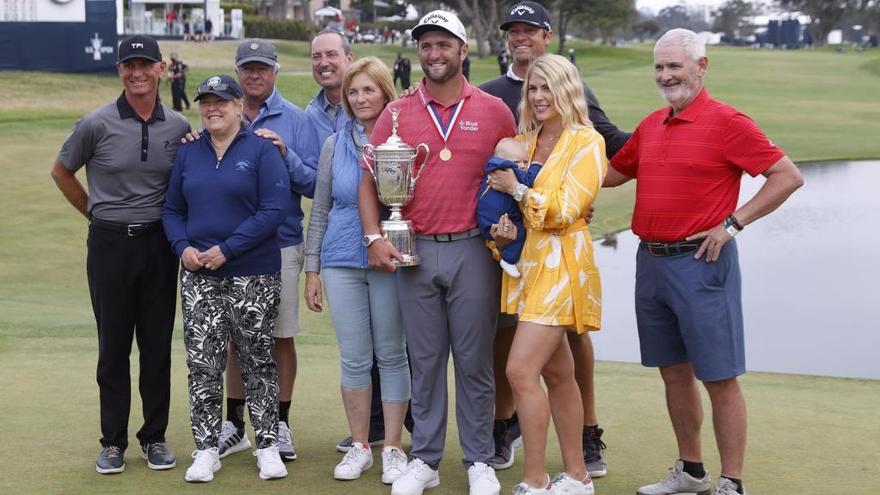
232	439
507	436
158	456
110	460
376	437
594	458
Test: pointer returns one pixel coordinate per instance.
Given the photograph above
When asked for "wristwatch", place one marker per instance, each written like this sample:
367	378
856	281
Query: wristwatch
519	192
732	226
370	238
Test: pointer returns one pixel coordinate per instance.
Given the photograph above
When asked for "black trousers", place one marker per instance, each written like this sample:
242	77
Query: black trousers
178	94
132	282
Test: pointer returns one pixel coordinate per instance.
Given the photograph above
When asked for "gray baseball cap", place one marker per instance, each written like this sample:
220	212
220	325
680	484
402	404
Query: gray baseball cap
256	50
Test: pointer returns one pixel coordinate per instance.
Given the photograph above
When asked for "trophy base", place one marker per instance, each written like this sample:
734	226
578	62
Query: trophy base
400	234
408	260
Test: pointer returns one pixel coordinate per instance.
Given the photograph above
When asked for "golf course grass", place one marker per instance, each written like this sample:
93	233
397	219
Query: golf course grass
808	435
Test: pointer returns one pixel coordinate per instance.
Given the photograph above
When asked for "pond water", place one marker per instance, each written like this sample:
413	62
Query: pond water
811	279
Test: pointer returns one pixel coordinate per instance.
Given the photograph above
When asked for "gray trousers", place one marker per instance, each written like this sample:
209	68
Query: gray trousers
450	301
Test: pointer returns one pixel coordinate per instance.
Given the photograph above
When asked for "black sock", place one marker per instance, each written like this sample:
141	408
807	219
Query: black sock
694	469
235	412
284	411
738	482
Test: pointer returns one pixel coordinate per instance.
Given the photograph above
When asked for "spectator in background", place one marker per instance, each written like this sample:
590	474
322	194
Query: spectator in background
170	17
503	61
187	28
402	70
177	76
209	29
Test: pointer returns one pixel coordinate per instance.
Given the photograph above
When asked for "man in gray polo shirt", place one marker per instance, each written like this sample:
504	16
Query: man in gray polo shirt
127	147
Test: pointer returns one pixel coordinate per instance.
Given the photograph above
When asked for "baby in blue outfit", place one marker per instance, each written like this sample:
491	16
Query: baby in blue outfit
491	204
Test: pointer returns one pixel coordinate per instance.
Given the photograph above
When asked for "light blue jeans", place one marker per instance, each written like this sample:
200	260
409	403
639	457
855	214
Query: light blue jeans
366	316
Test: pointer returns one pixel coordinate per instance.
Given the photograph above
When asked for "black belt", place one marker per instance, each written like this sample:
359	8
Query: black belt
129	229
672	248
456	236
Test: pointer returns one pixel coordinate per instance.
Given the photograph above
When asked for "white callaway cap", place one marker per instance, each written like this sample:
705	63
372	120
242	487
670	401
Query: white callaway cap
440	20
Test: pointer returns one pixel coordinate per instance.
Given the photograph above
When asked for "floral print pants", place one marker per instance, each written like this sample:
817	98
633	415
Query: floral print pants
244	309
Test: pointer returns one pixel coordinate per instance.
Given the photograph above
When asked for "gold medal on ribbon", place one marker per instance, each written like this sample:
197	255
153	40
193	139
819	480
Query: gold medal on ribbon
444	130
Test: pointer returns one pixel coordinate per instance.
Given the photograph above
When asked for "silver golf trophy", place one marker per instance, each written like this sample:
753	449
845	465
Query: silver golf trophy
392	165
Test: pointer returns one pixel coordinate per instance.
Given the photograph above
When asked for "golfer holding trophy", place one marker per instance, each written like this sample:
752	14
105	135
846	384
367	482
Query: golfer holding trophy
449	301
392	165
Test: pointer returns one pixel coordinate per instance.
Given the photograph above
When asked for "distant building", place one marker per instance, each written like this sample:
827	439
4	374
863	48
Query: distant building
71	36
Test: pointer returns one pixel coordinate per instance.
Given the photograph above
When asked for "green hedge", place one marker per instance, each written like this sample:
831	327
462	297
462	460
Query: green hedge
246	8
401	26
264	27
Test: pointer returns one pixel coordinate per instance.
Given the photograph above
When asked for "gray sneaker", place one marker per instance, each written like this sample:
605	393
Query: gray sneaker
727	487
594	456
110	460
678	481
286	449
158	456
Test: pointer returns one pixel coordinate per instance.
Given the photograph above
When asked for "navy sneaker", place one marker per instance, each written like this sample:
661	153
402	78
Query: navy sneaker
158	456
110	460
594	457
507	436
376	437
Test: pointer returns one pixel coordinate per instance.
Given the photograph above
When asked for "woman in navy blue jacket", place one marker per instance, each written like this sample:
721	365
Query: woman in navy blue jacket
228	193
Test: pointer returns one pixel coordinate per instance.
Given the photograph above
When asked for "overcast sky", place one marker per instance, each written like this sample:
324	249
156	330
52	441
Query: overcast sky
656	5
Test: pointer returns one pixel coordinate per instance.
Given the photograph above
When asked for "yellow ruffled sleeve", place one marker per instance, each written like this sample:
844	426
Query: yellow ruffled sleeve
574	170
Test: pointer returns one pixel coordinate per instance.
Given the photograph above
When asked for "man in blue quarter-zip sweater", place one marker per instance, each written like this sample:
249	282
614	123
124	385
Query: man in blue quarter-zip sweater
288	126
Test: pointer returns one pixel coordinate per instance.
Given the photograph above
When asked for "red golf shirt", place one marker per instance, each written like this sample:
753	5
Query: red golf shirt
689	167
445	198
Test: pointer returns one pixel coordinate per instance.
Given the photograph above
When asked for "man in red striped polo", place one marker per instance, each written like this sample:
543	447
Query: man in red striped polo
689	159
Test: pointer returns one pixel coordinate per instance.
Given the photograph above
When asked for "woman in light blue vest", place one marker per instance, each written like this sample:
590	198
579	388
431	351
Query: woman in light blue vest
365	308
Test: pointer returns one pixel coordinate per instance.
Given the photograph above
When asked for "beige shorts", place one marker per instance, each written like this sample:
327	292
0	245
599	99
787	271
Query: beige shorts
287	324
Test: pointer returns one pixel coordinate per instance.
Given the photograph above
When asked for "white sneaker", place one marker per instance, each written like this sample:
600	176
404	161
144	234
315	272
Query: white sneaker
269	462
727	487
524	488
482	480
358	459
510	269
393	464
678	481
205	464
417	477
563	484
232	440
286	449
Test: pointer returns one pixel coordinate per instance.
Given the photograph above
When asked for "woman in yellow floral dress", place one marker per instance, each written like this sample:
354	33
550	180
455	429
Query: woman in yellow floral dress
559	289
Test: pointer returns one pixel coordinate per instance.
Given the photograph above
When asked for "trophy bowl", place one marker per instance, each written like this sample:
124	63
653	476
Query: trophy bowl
393	167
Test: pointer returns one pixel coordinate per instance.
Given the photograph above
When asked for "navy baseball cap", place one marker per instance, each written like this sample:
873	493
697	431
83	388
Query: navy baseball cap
139	46
222	86
530	13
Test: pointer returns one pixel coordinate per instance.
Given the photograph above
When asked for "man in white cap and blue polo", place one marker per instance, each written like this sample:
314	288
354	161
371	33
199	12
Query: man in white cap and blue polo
450	301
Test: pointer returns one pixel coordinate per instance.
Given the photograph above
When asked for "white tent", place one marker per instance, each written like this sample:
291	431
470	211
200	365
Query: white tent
327	12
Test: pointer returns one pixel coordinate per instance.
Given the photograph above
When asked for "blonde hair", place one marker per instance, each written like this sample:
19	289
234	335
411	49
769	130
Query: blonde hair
376	70
566	87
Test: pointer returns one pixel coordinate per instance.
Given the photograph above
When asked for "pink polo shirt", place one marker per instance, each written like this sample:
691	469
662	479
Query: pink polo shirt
445	198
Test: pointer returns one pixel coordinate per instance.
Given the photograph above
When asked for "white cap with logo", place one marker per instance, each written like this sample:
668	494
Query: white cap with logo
440	20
